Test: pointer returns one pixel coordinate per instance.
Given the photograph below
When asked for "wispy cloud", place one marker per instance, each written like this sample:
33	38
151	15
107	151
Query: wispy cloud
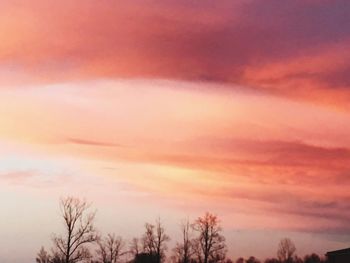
17	177
92	143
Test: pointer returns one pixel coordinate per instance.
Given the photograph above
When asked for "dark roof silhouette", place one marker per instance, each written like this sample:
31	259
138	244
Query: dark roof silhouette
339	256
345	251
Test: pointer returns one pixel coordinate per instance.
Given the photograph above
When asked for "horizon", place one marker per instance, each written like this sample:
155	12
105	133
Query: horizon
172	109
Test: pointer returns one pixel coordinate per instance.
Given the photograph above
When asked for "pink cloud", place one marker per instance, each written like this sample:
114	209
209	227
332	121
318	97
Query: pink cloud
297	49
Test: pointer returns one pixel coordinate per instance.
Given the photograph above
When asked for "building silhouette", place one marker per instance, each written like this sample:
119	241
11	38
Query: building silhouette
339	256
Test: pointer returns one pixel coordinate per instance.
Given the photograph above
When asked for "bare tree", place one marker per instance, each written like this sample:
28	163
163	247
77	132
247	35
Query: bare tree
110	249
161	239
148	239
297	259
43	256
135	247
184	251
252	260
210	243
286	250
79	230
313	258
154	241
57	257
272	260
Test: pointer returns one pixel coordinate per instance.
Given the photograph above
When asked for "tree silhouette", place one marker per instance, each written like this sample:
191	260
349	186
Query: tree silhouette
110	248
144	258
57	258
210	244
154	241
207	246
272	260
286	250
183	250
79	231
313	258
135	247
252	260
43	256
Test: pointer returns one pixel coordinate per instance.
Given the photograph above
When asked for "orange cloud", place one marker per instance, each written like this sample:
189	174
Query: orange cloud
319	74
257	154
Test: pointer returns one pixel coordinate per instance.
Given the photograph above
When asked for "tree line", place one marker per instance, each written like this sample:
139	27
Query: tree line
202	241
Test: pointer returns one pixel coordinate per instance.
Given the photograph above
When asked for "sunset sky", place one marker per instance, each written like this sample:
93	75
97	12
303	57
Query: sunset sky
174	108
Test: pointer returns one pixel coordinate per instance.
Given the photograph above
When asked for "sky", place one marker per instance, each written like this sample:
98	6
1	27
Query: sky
173	108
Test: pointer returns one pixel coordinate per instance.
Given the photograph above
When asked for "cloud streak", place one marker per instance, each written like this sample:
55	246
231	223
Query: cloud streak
80	141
